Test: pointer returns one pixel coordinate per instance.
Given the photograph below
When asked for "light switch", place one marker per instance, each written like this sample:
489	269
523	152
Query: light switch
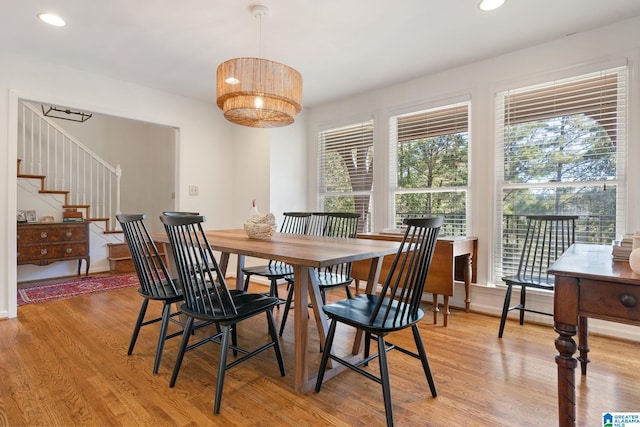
193	190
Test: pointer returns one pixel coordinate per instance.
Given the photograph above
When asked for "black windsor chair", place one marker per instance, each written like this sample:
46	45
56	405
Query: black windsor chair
207	298
396	307
293	223
155	282
548	236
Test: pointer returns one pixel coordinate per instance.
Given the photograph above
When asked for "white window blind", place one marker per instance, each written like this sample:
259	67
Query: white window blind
345	157
429	152
560	149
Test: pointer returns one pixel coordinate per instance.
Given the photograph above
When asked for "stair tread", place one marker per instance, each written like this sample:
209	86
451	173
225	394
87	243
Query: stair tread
75	206
26	175
54	191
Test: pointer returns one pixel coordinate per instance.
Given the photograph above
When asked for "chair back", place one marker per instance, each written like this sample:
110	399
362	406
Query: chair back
548	236
408	273
152	271
178	213
334	224
204	287
295	222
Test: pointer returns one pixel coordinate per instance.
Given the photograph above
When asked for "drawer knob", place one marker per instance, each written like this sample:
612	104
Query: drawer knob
43	251
69	234
69	250
628	301
43	235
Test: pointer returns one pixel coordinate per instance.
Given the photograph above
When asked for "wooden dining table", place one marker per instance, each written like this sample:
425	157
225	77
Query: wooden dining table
304	253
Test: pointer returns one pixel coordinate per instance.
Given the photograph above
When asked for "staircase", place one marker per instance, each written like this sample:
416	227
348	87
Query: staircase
49	154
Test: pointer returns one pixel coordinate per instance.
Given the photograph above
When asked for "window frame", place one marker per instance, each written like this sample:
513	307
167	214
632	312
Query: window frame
443	118
564	108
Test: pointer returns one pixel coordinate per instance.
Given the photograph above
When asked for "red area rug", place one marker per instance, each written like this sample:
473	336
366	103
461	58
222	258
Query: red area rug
73	288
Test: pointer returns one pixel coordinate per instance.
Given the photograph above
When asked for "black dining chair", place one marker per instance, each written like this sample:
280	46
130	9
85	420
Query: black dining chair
155	282
547	237
327	224
207	298
395	308
275	271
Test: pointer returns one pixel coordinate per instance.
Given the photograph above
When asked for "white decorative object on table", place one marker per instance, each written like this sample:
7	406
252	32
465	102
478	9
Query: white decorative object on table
259	226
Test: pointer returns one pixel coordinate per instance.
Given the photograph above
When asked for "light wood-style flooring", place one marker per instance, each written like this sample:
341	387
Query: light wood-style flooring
65	363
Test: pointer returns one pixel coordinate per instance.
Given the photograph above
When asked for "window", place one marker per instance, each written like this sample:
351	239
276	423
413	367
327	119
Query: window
346	170
560	150
429	158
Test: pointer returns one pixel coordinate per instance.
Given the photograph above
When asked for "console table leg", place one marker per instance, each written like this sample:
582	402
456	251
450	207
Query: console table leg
566	347
435	309
583	343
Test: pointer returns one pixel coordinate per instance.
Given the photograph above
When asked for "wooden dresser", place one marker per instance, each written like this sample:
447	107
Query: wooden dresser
46	243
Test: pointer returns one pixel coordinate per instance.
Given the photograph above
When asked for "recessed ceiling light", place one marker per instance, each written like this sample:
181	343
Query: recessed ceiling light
487	5
52	19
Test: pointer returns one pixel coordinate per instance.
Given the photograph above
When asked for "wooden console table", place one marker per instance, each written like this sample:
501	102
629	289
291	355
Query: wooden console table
588	283
46	243
454	259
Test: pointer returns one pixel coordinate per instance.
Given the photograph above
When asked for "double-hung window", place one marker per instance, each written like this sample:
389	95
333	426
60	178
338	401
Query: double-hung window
345	167
560	149
429	159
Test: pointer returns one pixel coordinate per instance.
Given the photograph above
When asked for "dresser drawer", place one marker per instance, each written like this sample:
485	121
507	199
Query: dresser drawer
609	300
41	234
39	252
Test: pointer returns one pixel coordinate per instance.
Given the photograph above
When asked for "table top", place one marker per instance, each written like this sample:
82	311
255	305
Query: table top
590	261
296	249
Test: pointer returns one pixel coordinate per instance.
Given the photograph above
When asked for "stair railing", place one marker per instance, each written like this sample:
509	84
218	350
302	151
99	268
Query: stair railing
47	149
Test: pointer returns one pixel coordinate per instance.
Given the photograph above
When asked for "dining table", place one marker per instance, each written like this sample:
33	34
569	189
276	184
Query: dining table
305	254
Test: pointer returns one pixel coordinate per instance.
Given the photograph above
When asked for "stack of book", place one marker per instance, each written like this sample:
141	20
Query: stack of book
621	252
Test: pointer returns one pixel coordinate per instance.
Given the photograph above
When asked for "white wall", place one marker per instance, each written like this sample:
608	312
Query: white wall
609	46
146	154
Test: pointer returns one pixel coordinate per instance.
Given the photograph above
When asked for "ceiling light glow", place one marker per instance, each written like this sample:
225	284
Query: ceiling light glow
487	5
52	19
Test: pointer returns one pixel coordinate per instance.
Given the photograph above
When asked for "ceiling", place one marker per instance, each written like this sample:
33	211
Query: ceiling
341	47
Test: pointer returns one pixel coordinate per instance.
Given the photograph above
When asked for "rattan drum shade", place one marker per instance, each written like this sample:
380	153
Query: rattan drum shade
259	93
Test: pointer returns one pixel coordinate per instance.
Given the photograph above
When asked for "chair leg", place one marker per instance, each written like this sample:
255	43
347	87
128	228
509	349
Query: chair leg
222	367
367	346
384	378
287	307
136	328
164	325
425	361
234	339
325	354
505	310
276	342
188	328
246	282
348	292
273	291
523	300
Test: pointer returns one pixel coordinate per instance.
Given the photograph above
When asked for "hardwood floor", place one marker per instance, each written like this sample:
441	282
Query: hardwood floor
65	363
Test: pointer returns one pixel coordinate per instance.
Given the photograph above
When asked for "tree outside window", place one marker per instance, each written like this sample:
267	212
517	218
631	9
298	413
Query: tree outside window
430	155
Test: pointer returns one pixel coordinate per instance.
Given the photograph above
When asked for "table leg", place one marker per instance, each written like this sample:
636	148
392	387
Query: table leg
583	343
468	273
300	289
435	309
446	311
566	347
